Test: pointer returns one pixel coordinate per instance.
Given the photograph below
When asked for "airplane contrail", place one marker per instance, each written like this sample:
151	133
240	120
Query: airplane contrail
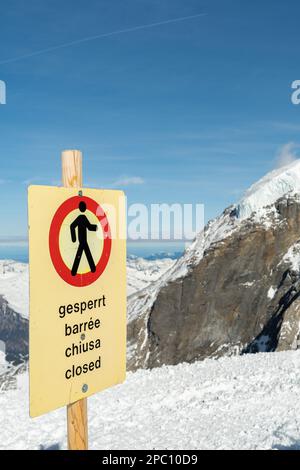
99	36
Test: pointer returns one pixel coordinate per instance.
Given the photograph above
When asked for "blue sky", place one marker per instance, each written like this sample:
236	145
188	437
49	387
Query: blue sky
191	111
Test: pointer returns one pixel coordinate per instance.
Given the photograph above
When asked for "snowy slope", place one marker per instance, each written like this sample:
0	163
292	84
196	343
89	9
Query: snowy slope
14	285
142	272
246	402
215	231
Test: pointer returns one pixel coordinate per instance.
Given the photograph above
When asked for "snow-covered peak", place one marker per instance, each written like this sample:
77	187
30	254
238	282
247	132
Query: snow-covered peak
268	189
258	198
263	193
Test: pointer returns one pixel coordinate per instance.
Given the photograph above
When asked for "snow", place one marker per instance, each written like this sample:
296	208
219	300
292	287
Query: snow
248	284
292	256
14	285
3	363
271	293
141	272
246	402
269	189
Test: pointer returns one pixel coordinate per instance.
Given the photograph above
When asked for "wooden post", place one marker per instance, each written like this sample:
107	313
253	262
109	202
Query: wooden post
71	161
77	425
76	412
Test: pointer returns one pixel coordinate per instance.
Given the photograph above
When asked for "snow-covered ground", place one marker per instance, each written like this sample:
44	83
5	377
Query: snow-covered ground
246	402
14	283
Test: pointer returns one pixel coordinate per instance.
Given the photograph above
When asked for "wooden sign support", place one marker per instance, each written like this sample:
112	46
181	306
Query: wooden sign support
77	420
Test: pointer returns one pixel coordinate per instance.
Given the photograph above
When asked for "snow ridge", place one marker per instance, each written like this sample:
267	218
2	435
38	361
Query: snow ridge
269	189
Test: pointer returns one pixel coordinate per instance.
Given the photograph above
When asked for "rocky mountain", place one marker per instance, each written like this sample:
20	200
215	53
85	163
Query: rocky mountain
235	290
13	333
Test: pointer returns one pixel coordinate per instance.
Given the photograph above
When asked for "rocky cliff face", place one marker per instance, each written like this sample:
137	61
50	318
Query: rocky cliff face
13	333
239	291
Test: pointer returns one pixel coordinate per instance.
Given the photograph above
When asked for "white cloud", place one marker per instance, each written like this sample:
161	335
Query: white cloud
129	180
13	240
287	154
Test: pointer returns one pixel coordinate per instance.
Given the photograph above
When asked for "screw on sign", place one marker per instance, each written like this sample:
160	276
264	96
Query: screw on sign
77	343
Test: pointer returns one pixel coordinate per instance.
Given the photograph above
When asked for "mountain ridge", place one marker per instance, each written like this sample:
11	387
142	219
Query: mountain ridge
229	243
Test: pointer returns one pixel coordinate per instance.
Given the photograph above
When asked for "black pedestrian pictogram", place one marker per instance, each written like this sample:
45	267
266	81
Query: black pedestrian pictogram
83	225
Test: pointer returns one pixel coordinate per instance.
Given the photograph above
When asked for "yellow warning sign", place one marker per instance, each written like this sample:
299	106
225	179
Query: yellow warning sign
77	259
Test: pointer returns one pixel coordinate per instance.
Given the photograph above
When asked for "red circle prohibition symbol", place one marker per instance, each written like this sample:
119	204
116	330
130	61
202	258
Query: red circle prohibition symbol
71	204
